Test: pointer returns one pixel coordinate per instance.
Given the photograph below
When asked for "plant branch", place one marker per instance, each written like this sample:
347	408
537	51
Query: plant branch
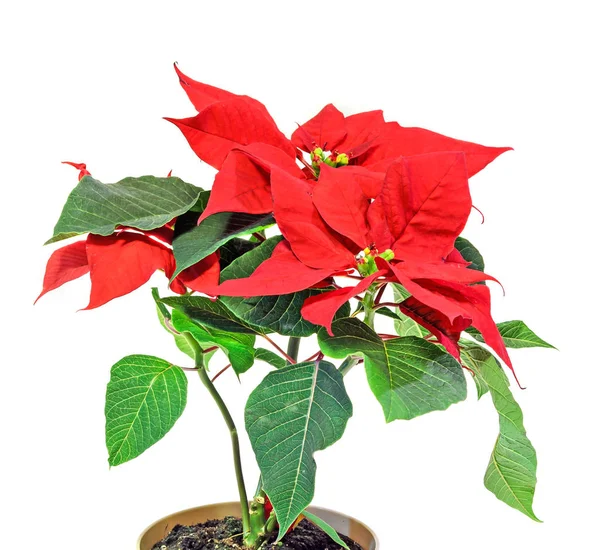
220	372
293	348
348	363
235	442
279	349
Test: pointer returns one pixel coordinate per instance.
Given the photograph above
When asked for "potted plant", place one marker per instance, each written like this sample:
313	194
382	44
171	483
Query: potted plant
351	224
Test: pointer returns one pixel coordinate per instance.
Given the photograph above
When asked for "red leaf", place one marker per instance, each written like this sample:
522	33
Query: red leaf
456	257
342	204
122	262
300	223
64	265
447	332
378	227
396	141
475	302
83	171
243	183
203	96
240	186
321	309
282	273
361	130
326	129
427	203
201	276
442	271
370	182
227	124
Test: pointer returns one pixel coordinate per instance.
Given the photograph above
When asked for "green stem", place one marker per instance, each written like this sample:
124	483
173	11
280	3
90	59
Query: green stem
348	363
293	347
368	303
235	442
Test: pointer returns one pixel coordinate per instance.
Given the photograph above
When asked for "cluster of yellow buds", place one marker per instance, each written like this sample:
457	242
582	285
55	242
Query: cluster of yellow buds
365	261
334	159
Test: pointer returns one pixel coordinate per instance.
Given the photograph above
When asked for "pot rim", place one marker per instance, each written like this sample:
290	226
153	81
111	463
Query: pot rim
313	509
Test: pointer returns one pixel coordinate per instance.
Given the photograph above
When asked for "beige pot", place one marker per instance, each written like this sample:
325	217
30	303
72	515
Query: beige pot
345	525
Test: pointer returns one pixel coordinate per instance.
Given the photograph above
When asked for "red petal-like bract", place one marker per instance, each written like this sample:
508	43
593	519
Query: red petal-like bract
362	130
65	264
243	183
396	141
342	204
300	223
199	277
474	301
447	332
321	309
326	130
282	273
83	171
122	262
427	203
378	227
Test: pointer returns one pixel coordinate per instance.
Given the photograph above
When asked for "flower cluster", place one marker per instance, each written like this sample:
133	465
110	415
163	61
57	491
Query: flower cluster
377	203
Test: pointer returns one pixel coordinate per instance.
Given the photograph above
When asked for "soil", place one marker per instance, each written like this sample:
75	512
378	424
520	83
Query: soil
225	534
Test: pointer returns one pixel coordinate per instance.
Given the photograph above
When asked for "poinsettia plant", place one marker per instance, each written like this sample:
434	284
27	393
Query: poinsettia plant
350	223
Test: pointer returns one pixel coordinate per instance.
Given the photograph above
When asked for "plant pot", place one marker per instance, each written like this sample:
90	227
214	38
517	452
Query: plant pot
343	524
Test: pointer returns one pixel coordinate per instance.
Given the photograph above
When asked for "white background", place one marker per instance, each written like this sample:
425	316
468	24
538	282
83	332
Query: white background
90	81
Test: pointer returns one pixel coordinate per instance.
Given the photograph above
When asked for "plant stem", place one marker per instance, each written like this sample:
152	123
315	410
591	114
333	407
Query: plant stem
348	363
235	442
293	347
368	303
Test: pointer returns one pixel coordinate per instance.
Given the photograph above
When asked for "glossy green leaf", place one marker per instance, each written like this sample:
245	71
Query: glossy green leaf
197	243
473	357
294	412
238	347
270	313
144	398
209	313
164	317
262	354
326	528
143	203
233	249
516	334
511	473
470	254
408	375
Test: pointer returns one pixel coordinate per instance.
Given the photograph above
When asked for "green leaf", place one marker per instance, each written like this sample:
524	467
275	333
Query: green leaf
181	342
516	334
470	254
233	249
408	375
404	325
326	528
511	473
270	313
197	243
473	357
262	354
294	412
144	398
208	313
143	203
238	347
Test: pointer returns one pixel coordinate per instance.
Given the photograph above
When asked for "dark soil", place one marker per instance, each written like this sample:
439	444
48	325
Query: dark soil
225	534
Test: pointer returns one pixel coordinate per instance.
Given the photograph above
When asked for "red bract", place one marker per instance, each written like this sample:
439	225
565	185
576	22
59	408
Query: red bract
371	142
122	262
422	208
226	121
